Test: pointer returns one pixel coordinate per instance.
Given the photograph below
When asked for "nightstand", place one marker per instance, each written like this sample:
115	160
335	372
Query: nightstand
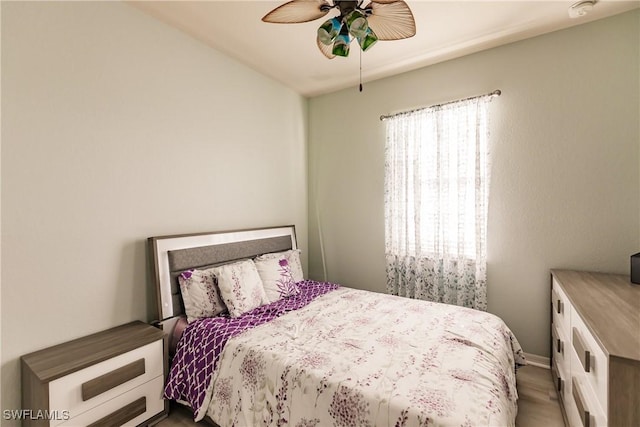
112	378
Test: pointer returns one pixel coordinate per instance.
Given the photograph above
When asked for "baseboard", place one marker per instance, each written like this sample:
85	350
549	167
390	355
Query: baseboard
539	361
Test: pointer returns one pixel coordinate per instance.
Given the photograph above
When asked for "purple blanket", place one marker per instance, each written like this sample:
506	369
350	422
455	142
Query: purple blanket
202	342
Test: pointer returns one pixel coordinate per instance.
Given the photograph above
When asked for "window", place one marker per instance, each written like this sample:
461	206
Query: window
436	193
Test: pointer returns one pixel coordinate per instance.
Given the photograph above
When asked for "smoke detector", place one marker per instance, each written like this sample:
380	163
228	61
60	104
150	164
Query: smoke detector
580	9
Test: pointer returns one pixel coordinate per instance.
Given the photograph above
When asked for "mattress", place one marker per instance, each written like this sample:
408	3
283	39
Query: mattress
333	355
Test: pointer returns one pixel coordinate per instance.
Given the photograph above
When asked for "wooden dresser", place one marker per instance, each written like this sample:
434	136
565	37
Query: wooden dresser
595	348
111	378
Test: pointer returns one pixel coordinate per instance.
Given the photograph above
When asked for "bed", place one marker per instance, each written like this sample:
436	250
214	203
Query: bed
317	353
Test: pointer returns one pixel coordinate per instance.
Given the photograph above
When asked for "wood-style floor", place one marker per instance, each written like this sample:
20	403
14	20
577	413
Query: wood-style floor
537	403
537	399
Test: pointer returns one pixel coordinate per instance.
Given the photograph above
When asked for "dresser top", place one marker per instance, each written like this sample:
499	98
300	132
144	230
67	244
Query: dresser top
60	360
609	304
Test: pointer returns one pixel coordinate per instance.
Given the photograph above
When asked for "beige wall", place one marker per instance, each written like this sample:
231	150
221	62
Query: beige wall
565	146
115	128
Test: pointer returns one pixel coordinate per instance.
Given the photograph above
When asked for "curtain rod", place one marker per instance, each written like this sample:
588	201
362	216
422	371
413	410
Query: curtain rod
496	92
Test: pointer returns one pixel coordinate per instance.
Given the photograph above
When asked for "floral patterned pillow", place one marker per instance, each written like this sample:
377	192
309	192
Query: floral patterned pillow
200	294
240	287
277	278
293	259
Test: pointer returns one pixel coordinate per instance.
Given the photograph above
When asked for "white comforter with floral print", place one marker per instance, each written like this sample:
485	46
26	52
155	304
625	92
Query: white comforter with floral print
357	358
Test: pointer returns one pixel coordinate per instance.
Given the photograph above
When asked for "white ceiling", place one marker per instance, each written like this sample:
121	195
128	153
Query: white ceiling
288	53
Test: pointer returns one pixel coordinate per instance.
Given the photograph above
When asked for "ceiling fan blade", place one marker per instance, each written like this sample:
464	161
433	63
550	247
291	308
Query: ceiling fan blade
297	11
327	50
391	20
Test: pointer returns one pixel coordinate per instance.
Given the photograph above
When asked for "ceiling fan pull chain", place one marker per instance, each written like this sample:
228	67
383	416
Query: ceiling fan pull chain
360	70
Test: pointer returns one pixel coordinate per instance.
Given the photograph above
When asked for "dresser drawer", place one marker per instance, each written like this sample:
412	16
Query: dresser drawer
130	408
584	413
88	388
590	361
560	346
559	373
585	409
561	307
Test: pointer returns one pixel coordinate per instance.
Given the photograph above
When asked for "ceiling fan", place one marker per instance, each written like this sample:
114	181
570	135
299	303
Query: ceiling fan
365	21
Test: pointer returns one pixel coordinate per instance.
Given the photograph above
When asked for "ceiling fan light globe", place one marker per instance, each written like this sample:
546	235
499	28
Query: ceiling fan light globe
368	40
359	27
329	30
341	45
357	23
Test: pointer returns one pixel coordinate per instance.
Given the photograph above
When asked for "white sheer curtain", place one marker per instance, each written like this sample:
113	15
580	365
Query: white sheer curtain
436	193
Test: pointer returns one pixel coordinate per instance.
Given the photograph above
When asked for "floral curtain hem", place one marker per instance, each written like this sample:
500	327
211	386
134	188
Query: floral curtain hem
460	281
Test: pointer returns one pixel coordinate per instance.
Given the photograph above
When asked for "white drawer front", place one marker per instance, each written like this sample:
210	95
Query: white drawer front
588	401
66	393
561	347
154	404
575	419
561	307
597	375
561	380
569	404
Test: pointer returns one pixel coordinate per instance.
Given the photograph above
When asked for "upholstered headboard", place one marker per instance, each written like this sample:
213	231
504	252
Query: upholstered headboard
172	255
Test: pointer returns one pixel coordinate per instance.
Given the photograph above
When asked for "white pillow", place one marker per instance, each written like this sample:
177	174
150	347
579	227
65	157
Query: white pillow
240	287
277	277
292	257
200	294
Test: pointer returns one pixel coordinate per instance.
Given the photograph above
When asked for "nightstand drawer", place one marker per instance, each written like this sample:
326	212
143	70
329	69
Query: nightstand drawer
130	408
92	386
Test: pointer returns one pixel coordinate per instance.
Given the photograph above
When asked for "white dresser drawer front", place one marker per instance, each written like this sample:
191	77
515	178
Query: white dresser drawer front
561	307
87	388
569	405
561	346
590	360
143	403
560	375
584	410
